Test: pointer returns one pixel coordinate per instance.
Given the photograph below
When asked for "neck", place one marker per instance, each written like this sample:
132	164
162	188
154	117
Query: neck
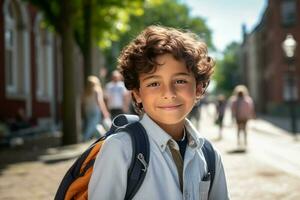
175	131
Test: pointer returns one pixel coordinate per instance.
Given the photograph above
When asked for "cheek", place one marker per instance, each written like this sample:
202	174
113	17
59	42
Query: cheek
145	95
189	94
188	91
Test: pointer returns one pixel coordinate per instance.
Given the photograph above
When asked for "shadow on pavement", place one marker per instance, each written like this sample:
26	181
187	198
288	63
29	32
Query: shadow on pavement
30	151
237	151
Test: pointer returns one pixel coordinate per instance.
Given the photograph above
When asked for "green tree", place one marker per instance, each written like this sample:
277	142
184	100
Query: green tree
160	12
61	15
227	69
100	22
82	21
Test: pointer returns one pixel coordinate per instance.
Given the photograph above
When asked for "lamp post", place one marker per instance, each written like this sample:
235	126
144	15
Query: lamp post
289	46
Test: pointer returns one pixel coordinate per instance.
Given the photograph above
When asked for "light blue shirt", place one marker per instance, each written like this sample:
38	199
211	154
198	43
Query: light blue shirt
109	178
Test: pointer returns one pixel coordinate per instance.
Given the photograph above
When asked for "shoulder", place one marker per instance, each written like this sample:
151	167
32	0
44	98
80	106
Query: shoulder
249	99
121	137
108	85
121	85
118	144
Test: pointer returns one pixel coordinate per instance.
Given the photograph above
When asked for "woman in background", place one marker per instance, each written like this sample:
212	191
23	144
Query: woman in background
242	109
94	108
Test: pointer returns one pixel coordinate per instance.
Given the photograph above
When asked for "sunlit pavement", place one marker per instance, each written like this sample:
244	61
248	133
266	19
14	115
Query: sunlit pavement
268	169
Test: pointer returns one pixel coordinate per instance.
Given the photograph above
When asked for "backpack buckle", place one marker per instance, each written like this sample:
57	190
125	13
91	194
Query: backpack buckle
141	158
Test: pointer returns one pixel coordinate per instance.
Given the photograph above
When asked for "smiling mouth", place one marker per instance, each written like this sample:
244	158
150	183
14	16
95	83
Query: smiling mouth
169	107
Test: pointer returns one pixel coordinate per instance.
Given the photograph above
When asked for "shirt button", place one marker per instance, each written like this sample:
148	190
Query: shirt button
162	146
192	143
186	195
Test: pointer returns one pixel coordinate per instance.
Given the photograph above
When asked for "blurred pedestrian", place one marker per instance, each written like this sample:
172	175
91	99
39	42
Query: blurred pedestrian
117	96
195	114
242	108
220	112
94	108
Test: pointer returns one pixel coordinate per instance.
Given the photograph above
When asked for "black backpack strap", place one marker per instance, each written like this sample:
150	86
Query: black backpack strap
210	159
140	158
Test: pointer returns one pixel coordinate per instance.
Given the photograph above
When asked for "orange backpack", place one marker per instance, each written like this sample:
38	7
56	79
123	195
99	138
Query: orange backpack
74	185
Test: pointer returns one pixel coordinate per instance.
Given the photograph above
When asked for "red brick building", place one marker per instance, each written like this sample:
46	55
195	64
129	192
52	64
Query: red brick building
264	65
30	78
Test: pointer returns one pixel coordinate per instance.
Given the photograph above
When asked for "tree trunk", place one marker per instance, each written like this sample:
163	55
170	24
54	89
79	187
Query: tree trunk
87	38
71	98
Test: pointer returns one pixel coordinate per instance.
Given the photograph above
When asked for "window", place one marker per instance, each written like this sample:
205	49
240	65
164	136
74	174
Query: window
288	12
10	48
16	36
44	61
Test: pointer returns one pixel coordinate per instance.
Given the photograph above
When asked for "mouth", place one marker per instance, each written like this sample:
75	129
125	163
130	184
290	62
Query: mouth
169	107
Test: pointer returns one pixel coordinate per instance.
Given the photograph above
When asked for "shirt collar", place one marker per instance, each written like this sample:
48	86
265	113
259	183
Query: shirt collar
161	138
157	134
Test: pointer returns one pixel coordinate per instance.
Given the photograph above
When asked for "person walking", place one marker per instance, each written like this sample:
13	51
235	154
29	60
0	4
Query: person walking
220	112
117	96
242	108
94	108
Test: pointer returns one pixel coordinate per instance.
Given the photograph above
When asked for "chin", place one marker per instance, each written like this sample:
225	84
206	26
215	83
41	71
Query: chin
169	120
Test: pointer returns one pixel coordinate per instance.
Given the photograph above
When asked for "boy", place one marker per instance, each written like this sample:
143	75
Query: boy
167	71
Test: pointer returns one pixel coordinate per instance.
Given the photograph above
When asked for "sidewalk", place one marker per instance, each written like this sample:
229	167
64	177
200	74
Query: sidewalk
268	169
265	127
35	172
274	125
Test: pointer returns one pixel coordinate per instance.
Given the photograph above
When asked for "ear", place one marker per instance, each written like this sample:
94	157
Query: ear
137	96
199	90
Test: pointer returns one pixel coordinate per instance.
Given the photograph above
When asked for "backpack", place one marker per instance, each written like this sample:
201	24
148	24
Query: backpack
74	184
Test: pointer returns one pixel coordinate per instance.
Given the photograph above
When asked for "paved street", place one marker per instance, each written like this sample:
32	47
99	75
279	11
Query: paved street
269	169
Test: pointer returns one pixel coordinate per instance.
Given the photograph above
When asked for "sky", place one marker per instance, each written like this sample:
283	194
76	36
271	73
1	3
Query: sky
225	17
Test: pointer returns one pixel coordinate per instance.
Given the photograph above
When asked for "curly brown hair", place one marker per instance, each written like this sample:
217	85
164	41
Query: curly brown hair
140	55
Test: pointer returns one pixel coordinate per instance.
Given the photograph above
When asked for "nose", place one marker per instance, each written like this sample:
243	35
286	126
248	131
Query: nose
169	92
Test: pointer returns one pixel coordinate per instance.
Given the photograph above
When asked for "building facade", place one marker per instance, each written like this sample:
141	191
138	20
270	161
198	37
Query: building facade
29	67
265	68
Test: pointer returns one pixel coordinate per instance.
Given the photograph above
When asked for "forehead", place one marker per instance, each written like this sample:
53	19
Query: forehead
167	65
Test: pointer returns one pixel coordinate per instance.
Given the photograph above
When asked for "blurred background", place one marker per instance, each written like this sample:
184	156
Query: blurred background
50	48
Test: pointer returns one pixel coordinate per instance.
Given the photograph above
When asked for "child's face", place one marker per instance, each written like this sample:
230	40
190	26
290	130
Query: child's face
169	93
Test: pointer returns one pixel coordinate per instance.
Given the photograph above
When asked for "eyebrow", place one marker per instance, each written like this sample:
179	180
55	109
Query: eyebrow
156	76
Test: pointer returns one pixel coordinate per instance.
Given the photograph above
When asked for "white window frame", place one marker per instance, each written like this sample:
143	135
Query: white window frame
20	86
44	61
10	26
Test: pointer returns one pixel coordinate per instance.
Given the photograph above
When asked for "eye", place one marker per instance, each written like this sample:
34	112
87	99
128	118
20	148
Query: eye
180	81
154	84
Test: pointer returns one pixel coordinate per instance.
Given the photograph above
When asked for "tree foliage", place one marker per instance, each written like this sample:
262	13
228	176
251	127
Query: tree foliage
227	69
86	21
100	22
95	22
160	12
109	19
